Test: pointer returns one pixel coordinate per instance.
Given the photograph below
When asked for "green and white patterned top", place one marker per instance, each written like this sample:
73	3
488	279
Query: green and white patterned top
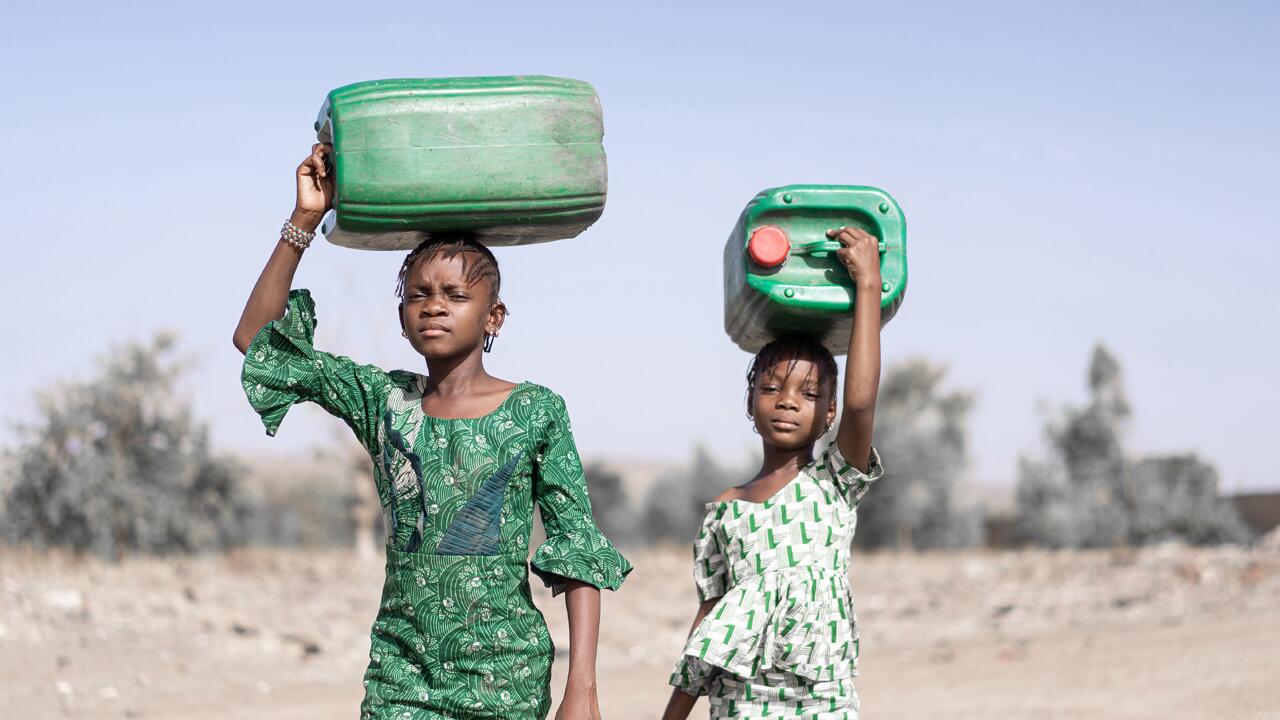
781	571
457	633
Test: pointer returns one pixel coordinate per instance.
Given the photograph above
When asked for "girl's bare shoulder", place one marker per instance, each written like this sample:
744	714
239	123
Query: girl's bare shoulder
730	494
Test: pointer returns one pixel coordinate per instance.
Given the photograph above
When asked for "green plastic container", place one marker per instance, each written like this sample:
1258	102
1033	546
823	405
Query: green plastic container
781	273
515	160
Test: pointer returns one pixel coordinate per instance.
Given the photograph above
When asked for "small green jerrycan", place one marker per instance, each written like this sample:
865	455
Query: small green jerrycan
514	160
781	272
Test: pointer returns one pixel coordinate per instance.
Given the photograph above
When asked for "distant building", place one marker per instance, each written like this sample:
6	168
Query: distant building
1260	511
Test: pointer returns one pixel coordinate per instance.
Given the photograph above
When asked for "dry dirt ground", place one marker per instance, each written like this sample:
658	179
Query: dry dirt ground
1163	632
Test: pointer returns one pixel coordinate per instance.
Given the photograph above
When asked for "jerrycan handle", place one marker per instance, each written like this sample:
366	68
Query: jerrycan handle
825	247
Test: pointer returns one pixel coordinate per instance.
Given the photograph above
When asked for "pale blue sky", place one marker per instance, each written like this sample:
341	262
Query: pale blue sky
1070	172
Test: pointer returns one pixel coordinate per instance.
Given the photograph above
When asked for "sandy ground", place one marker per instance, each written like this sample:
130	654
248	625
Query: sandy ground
1163	632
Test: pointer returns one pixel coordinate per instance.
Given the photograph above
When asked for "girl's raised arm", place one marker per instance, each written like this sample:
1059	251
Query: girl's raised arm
271	292
861	257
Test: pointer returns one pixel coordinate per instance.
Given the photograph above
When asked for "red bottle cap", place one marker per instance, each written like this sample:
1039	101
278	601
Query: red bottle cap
769	246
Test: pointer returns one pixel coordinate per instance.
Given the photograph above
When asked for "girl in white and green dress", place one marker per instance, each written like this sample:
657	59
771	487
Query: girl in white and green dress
775	635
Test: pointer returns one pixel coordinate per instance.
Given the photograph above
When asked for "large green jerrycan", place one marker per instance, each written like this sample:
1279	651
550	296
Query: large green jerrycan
513	160
781	273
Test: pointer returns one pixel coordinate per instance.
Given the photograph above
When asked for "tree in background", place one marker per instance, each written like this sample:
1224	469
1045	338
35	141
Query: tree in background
921	432
614	515
117	463
677	501
1176	497
1088	493
1076	496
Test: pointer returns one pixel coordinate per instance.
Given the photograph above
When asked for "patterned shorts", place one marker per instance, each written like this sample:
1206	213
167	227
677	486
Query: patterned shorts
782	695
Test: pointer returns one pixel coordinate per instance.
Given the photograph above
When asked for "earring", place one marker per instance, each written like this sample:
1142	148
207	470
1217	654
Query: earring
404	334
488	342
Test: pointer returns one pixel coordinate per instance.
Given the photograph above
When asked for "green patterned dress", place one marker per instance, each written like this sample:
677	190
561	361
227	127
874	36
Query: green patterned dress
782	642
457	634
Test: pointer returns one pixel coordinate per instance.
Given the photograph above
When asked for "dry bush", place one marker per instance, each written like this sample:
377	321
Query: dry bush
921	434
1087	492
1175	497
117	463
675	505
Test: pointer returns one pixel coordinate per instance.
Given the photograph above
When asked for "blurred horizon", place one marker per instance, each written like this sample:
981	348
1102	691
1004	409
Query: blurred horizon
1066	173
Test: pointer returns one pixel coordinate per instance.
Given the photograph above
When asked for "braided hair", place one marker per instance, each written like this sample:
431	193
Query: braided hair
481	264
791	349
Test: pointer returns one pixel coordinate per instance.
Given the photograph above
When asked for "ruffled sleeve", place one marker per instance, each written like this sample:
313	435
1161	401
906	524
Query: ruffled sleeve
710	576
282	367
849	480
710	573
692	676
575	548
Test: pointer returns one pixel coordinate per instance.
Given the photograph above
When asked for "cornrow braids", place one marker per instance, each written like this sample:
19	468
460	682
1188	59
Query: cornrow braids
449	245
791	349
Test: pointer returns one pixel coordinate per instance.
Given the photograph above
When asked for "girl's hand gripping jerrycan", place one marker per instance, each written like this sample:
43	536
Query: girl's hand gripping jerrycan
513	160
781	272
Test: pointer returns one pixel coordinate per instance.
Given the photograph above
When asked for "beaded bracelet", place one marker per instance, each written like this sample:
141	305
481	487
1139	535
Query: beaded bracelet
296	236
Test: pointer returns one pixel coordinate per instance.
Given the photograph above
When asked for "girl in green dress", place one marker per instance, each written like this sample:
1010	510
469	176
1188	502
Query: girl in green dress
460	458
775	634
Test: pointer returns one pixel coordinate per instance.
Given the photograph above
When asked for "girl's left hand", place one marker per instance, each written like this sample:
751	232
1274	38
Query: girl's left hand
581	704
860	256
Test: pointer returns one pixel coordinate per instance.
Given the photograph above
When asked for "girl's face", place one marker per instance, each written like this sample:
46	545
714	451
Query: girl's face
790	406
444	316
